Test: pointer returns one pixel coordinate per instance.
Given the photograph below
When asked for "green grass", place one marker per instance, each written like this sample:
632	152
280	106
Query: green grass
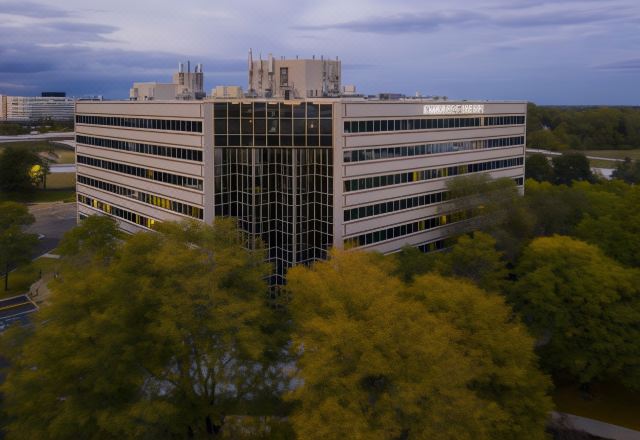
611	403
65	156
40	196
61	180
60	188
24	276
613	154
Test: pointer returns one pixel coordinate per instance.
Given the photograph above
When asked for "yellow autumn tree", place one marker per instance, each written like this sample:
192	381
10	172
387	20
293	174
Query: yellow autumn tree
438	359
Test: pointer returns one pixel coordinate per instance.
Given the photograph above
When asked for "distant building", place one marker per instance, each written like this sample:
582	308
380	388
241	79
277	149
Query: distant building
227	92
294	79
185	86
53	94
36	108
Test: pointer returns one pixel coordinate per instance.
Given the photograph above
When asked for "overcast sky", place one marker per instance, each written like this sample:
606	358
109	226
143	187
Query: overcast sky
548	52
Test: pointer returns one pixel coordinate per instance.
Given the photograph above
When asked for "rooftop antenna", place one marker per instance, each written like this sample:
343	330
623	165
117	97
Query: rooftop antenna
250	60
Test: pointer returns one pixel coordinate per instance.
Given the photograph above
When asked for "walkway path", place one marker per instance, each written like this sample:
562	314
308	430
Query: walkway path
595	427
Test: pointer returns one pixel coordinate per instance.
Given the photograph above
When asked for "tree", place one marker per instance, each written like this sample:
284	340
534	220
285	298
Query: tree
411	261
537	167
556	209
570	167
166	341
611	220
497	208
15	245
17	169
475	257
97	236
629	171
583	306
377	360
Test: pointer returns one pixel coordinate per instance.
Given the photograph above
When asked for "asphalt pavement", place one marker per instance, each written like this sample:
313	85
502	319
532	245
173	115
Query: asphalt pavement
52	221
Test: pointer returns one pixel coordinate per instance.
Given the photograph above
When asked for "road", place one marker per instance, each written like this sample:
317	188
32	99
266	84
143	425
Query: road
62	168
52	221
555	153
37	137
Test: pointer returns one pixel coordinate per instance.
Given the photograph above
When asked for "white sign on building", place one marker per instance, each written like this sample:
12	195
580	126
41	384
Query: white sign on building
452	109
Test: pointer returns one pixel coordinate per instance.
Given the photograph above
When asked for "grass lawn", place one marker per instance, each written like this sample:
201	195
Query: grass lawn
613	154
24	276
61	187
61	180
40	196
611	403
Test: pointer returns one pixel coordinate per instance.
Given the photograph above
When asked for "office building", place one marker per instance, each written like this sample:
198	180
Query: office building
301	174
185	85
36	108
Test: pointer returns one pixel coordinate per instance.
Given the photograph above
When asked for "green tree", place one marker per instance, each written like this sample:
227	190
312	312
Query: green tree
537	167
583	306
571	167
555	209
17	169
498	209
166	341
475	257
411	261
439	360
15	245
629	171
97	236
611	220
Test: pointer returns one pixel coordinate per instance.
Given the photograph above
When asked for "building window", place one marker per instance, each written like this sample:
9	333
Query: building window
284	76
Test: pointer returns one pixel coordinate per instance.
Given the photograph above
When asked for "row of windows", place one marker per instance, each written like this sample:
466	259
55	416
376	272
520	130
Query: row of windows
394	205
428	124
274	126
172	205
117	212
406	229
222	110
156	150
435	173
145	173
424	149
149	124
399	205
248	140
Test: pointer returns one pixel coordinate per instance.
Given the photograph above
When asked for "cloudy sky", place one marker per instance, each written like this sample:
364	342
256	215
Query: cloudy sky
549	52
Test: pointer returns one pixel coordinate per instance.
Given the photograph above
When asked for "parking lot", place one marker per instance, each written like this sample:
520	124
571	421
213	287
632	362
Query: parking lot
15	309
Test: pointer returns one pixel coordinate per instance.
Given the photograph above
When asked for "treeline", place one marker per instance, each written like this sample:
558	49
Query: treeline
583	128
42	126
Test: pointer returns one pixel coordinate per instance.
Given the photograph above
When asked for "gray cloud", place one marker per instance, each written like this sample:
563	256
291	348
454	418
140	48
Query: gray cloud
560	18
26	66
630	64
404	23
32	9
84	28
512	15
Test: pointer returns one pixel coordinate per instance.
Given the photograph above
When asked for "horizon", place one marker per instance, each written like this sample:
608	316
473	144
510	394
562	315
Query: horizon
570	52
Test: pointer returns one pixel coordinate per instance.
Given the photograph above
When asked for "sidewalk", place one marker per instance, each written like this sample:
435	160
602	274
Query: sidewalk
595	427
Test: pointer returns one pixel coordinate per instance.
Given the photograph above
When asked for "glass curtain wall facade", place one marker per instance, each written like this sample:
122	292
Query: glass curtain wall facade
274	173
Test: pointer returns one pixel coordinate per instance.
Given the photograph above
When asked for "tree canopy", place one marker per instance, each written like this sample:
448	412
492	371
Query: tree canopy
15	244
17	172
583	128
438	359
475	258
583	306
169	339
